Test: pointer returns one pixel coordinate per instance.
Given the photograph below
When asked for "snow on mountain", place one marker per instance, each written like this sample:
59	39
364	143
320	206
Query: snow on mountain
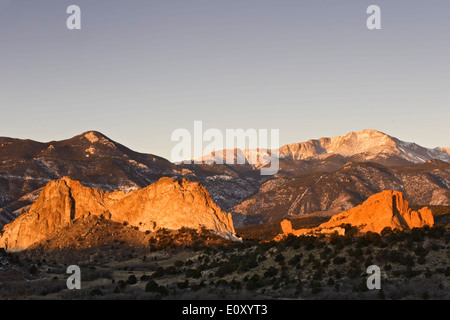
368	143
365	145
254	157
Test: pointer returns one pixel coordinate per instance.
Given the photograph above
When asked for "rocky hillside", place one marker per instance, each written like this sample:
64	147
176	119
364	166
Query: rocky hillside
328	174
92	158
365	145
165	204
387	209
333	192
362	146
96	161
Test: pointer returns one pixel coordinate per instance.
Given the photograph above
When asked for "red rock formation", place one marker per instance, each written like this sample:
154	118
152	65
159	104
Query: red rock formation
385	209
165	204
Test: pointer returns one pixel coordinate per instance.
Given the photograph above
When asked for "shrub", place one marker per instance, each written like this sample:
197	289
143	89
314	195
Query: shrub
227	268
171	270
183	284
335	238
262	258
317	275
254	283
352	273
331	282
420	251
151	286
396	273
178	263
145	278
159	273
362	241
410	272
309	242
122	284
417	234
398	257
293	241
193	273
435	247
295	260
96	292
162	291
339	260
447	272
361	286
33	270
339	246
369	261
132	279
271	272
436	232
235	285
373	238
386	231
248	263
279	258
421	260
198	286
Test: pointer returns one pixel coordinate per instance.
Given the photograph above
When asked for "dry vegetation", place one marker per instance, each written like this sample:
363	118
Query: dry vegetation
269	230
198	265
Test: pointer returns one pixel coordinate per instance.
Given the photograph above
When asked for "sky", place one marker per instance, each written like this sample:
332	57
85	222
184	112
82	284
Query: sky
138	70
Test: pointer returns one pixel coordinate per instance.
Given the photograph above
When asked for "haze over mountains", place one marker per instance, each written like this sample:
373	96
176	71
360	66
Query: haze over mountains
327	174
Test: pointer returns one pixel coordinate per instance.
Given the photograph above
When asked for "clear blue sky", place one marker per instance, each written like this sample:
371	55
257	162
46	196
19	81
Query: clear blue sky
140	69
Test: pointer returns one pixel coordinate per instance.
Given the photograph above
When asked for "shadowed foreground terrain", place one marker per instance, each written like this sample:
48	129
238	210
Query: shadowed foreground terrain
190	264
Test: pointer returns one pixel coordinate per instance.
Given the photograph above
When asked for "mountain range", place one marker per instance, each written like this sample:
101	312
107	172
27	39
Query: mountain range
363	146
341	189
324	175
97	161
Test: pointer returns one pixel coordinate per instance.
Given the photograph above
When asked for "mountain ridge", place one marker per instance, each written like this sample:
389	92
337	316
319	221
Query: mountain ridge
167	203
365	145
331	192
99	162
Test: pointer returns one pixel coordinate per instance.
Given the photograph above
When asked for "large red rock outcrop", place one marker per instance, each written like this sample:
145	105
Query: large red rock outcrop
165	204
385	209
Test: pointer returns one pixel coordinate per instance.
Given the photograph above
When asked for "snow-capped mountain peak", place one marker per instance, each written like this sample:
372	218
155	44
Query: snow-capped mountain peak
364	145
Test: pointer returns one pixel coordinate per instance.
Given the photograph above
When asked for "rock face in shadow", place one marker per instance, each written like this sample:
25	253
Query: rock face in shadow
385	209
165	204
